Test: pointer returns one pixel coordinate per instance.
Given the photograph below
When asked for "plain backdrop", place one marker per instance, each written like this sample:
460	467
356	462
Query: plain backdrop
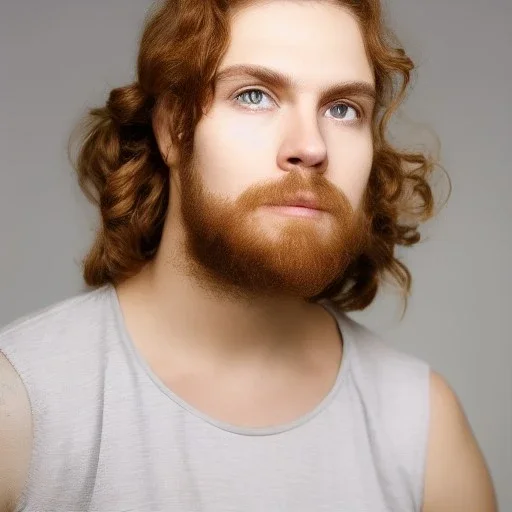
59	57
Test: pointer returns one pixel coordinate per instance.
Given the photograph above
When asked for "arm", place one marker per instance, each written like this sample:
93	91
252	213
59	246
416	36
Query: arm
15	435
457	478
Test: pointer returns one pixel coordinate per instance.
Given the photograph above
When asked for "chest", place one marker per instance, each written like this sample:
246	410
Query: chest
144	450
255	399
189	467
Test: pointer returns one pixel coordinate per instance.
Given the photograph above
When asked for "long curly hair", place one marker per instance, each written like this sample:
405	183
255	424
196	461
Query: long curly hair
121	170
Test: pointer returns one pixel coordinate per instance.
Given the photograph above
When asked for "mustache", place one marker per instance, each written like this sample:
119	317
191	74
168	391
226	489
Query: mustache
314	189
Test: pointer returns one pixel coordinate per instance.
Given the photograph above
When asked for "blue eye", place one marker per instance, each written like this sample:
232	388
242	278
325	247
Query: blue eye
342	109
251	97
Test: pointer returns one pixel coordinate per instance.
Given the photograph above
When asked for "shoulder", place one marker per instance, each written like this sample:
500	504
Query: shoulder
456	476
15	434
421	411
381	365
61	341
54	322
36	352
392	387
393	382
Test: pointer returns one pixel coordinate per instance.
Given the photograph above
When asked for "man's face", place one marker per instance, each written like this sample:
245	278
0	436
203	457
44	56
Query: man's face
263	142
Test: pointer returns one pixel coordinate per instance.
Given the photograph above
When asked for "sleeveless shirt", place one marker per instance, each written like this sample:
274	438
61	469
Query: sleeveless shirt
108	435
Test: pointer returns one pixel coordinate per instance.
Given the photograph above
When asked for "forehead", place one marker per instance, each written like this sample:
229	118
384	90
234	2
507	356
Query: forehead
314	41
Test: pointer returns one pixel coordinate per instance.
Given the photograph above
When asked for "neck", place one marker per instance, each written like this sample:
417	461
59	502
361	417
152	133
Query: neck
168	306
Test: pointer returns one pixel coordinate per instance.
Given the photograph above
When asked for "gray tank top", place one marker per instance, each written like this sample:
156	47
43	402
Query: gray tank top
110	436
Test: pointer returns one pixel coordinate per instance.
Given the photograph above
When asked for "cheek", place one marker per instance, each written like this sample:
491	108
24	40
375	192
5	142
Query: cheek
350	166
231	155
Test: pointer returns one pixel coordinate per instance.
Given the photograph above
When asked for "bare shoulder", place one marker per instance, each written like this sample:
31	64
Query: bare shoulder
457	477
15	435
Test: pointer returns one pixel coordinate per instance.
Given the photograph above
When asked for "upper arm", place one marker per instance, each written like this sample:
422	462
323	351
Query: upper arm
15	435
457	478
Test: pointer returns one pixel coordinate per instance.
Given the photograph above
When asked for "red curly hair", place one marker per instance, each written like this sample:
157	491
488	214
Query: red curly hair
120	167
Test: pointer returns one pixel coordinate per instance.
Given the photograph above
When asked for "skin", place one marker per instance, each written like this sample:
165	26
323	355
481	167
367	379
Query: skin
243	159
246	155
252	283
246	325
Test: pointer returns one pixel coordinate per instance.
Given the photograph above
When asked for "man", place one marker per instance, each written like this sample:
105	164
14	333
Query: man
213	367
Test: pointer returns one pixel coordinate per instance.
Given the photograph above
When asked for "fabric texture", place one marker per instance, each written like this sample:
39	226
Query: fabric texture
110	436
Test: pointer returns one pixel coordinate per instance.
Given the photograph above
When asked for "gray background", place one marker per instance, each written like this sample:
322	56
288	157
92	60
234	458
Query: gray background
58	57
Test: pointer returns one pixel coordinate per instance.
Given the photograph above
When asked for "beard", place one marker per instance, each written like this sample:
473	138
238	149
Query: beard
240	249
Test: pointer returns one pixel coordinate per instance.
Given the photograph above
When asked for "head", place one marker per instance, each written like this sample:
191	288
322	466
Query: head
227	121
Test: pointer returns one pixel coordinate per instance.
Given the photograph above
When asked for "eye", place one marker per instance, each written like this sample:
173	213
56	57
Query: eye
251	98
343	110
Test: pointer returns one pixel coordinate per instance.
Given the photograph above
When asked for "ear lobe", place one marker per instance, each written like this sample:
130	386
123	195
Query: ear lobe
162	130
170	155
167	147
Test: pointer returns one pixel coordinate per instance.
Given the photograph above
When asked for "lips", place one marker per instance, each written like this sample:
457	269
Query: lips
302	201
303	204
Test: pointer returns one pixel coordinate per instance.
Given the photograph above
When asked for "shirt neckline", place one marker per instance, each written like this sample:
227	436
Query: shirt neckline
345	337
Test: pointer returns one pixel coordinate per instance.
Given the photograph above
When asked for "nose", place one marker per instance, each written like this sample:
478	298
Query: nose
303	146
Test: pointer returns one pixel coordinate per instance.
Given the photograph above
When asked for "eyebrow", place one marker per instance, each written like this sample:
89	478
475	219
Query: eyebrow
282	81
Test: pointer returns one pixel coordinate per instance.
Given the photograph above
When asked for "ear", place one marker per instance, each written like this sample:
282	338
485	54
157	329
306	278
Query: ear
162	128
